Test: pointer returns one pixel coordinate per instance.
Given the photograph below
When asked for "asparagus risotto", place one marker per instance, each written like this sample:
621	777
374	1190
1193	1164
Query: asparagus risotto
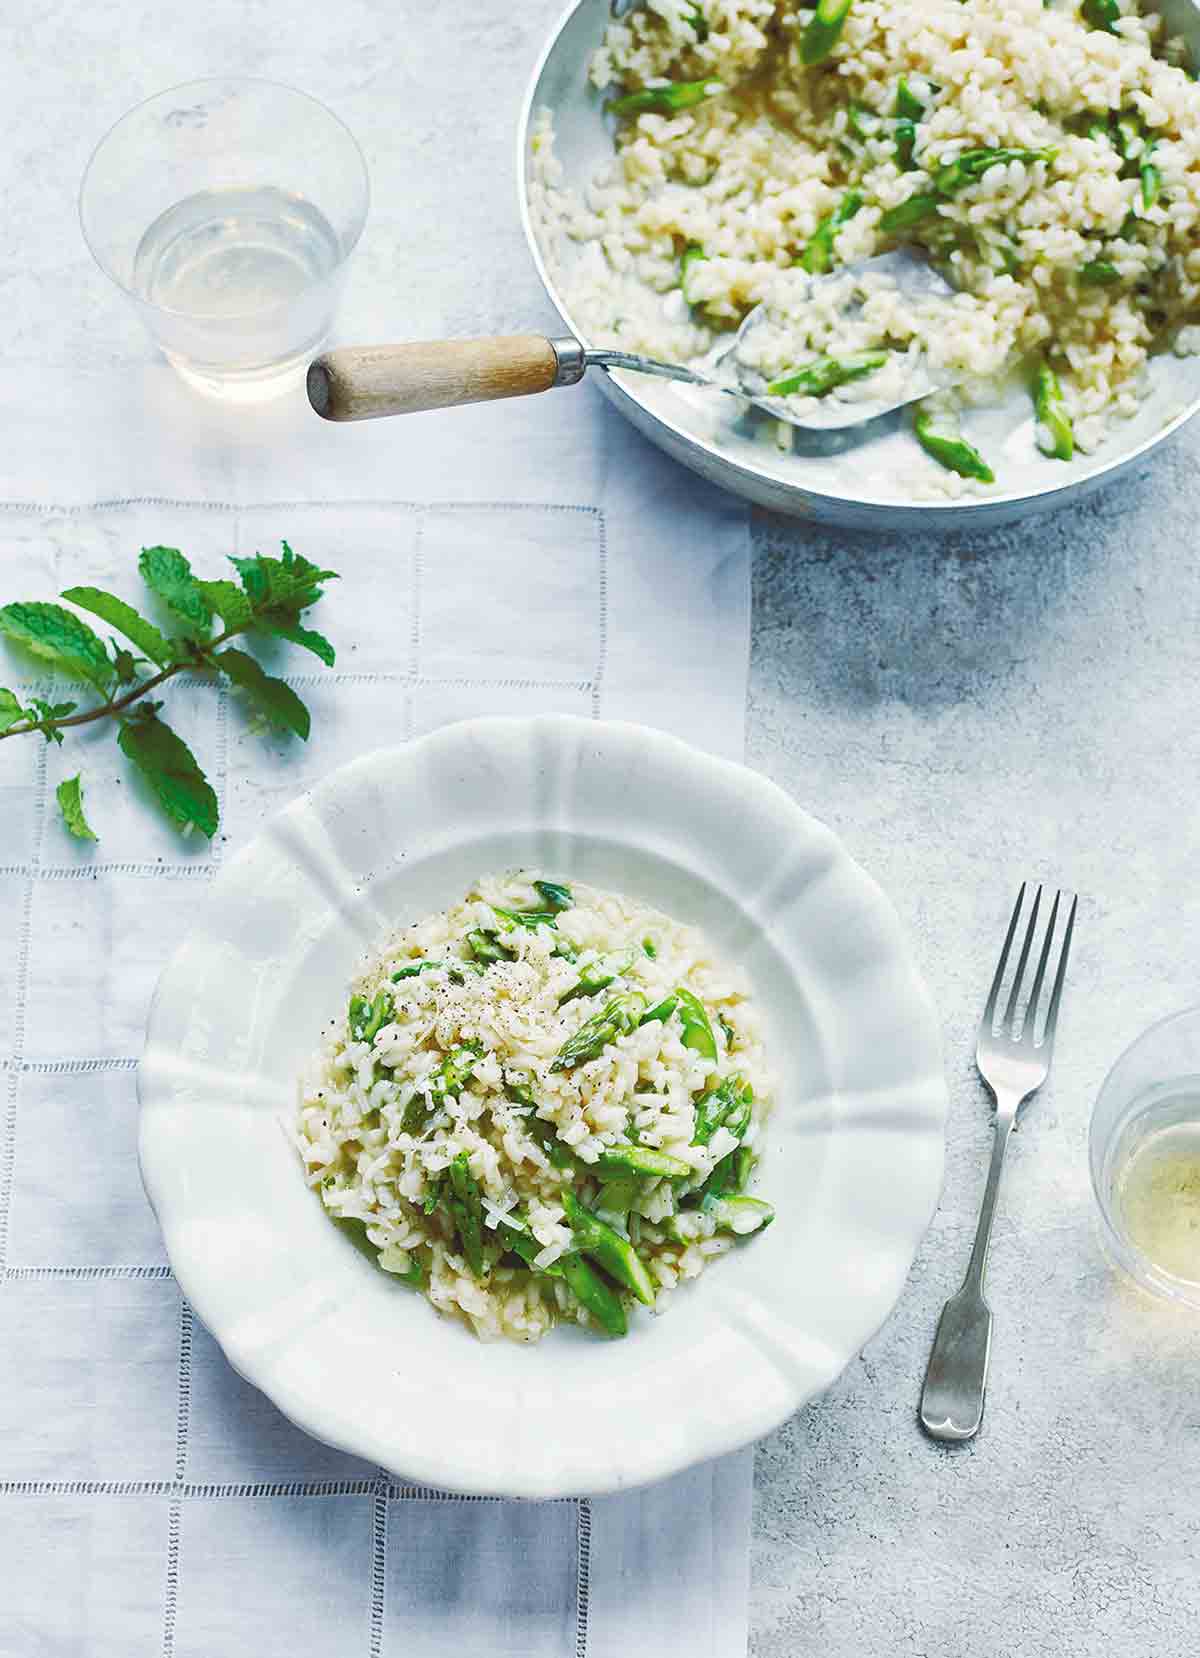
543	1104
1046	156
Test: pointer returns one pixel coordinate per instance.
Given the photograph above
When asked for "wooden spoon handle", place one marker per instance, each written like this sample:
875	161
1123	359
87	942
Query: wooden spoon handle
360	382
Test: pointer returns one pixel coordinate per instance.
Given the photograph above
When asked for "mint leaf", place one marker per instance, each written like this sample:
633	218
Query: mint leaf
69	795
229	602
273	697
170	768
45	712
125	619
168	573
287	585
11	712
308	637
58	637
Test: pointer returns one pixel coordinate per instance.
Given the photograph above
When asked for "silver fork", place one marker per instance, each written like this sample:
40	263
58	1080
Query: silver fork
1014	1065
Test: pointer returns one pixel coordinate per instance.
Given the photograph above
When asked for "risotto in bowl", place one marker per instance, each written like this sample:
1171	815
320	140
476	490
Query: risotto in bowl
541	1107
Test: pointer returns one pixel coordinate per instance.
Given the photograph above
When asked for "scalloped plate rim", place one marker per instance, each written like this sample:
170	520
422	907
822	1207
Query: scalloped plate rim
433	1469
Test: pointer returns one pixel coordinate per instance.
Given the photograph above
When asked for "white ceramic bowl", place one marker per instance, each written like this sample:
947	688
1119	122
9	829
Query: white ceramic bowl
854	1157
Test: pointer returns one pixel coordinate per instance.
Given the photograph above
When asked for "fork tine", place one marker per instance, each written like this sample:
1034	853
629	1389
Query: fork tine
989	1011
1035	995
1056	993
1022	963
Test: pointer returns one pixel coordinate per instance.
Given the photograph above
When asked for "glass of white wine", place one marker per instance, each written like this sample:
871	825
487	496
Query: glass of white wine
226	210
1144	1149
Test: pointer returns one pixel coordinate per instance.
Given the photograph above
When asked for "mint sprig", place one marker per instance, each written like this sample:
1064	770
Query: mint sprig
267	601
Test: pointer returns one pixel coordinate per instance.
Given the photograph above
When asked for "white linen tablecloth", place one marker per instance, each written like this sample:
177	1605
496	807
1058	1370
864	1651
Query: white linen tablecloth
535	558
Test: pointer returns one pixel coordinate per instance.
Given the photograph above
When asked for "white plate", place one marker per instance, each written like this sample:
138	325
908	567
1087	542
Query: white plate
854	1158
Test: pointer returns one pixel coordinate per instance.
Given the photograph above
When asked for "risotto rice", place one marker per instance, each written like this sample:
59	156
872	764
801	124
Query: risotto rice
543	1104
1046	156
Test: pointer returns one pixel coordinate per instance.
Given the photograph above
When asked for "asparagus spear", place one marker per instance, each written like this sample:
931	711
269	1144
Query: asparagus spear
1053	420
588	1288
699	23
817	257
953	176
730	1175
466	1211
554	895
487	948
906	143
863	122
713	1107
954	453
561	1157
608	1249
666	100
908	106
451	1077
367	1019
651	949
1151	178
732	1171
616	1018
645	1161
529	919
818	378
970	167
661	1011
592	980
616	1199
1101	14
455	1071
693	254
405	1265
697	1032
823	31
1099	273
584	1282
909	212
411	970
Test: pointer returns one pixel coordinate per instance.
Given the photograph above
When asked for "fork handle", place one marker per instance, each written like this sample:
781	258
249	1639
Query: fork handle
956	1376
362	382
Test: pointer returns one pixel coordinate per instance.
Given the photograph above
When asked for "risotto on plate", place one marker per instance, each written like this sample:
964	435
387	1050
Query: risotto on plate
544	1104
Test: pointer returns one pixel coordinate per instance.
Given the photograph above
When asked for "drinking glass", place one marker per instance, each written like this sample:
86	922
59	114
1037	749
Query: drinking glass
227	210
1144	1150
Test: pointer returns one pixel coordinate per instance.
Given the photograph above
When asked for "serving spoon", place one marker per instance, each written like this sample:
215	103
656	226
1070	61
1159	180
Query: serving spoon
364	382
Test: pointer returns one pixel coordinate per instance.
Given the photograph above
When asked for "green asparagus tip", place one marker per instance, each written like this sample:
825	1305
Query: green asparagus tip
912	211
818	378
1099	273
823	31
954	453
1056	434
666	100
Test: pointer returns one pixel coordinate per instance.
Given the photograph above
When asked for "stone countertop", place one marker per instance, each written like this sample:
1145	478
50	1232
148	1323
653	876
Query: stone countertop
965	711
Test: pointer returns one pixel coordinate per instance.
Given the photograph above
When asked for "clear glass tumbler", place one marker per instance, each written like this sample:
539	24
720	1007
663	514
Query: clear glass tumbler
1144	1149
226	210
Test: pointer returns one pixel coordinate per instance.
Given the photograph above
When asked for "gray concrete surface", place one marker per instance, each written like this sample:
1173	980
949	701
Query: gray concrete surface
967	712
